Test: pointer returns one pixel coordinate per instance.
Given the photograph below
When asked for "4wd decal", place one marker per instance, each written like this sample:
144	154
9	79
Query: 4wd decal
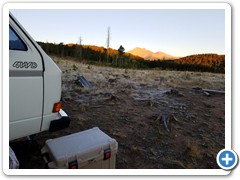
26	65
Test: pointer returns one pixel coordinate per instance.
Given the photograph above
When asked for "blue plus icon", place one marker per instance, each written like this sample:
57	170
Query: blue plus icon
227	159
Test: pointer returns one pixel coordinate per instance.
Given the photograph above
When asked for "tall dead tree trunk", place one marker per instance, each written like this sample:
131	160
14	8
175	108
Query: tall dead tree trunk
108	44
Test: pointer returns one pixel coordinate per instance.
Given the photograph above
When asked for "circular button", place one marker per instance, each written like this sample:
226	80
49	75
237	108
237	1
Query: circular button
227	159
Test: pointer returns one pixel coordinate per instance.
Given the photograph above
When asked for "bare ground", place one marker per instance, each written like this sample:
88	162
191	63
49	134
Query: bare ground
128	105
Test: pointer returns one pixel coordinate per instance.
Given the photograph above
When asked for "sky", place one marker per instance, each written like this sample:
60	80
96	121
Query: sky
178	32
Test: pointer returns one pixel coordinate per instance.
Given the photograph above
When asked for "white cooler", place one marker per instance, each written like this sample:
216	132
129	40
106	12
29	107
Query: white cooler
90	149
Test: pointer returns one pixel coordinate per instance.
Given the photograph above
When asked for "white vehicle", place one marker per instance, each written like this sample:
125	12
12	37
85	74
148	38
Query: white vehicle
34	86
35	106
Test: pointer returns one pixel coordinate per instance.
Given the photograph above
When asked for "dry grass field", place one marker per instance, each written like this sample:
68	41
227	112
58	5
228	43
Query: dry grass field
160	119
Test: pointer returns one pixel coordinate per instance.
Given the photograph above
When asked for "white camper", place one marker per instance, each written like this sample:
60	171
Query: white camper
34	86
35	106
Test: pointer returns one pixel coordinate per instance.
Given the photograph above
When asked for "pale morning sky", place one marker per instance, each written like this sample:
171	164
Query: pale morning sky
178	32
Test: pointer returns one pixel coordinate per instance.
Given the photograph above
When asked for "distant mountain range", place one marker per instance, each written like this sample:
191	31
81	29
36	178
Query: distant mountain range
149	55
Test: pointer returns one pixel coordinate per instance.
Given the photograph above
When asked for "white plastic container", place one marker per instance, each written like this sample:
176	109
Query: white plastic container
90	149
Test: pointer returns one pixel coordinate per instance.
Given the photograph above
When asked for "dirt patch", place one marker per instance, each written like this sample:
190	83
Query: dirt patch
126	104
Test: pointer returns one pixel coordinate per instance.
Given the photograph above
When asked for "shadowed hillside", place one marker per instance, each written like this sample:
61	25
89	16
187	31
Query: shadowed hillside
203	59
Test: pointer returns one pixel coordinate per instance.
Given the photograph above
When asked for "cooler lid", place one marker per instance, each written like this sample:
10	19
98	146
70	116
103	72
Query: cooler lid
91	142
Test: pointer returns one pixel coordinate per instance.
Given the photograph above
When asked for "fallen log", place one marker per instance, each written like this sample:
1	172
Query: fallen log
213	91
208	92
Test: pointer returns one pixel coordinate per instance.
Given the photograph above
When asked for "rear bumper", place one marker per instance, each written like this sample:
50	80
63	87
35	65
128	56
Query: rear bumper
61	123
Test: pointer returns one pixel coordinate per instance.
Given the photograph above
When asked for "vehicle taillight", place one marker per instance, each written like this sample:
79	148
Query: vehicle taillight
57	106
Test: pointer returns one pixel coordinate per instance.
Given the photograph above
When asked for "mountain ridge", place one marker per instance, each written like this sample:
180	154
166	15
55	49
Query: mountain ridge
149	55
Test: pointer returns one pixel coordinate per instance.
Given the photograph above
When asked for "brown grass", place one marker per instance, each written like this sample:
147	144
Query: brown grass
194	150
136	149
158	77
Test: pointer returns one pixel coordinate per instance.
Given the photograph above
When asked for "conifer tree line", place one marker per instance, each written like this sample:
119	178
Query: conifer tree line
119	58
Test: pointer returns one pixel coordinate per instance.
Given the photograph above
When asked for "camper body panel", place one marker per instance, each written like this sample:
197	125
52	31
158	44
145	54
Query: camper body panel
52	90
25	84
34	84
